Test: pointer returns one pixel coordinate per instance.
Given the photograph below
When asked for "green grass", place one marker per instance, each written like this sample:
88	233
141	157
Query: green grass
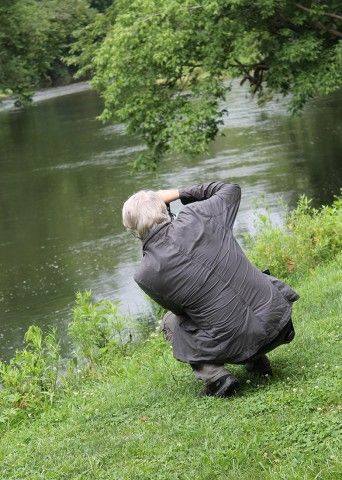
144	419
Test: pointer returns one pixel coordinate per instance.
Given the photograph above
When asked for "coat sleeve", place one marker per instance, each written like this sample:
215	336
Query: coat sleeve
217	199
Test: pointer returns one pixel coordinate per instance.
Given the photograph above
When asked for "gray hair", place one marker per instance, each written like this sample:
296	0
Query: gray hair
143	211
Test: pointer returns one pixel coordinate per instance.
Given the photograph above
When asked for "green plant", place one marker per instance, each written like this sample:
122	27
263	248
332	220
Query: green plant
309	238
97	328
30	378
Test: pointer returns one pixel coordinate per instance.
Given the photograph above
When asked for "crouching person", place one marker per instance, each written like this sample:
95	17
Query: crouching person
222	309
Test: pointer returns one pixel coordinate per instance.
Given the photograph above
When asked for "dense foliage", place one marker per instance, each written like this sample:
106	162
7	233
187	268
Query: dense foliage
100	5
34	37
163	66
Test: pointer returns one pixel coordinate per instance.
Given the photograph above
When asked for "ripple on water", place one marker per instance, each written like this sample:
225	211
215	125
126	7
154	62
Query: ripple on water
98	244
105	159
244	111
110	130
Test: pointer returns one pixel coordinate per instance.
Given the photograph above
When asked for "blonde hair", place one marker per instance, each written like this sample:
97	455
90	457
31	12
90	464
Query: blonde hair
143	211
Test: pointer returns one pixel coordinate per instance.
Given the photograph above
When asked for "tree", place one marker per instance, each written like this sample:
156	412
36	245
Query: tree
163	66
34	37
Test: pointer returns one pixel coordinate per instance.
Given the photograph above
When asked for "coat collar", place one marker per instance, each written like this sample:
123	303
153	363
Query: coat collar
153	232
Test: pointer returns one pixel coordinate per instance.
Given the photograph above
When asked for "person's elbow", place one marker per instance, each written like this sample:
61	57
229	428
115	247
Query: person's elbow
232	191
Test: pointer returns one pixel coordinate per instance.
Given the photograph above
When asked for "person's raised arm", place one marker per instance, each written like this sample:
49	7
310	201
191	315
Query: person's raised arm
218	199
168	196
197	193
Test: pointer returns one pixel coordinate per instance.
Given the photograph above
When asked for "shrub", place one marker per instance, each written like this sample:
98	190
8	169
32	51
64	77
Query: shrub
308	238
30	378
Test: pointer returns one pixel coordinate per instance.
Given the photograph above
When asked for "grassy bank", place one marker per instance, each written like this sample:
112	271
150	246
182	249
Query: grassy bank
140	416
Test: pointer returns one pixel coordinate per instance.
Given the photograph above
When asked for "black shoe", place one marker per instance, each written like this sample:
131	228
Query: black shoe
223	387
259	366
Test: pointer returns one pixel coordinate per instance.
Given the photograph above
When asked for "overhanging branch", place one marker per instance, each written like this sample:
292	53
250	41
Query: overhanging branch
326	14
331	30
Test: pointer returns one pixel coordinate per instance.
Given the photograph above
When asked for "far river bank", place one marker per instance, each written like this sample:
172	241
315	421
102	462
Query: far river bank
7	102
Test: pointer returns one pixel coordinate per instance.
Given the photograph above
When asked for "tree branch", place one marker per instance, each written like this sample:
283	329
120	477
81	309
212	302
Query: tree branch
330	30
327	14
333	31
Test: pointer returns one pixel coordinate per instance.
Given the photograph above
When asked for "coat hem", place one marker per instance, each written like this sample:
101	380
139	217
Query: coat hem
241	358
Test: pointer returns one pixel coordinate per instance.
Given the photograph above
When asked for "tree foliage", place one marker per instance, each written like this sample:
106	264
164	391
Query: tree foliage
163	66
100	5
35	35
88	40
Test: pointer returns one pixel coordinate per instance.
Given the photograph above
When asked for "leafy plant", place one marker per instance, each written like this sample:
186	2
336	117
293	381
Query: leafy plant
97	328
309	238
30	377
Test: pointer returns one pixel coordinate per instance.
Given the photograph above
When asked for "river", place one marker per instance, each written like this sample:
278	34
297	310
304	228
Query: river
64	177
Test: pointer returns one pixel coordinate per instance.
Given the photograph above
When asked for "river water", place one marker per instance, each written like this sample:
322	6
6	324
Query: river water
64	177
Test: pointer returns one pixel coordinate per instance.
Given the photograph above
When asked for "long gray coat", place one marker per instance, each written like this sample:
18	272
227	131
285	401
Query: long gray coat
194	267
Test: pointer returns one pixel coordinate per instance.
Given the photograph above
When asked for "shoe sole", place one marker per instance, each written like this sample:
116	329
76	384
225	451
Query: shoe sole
227	389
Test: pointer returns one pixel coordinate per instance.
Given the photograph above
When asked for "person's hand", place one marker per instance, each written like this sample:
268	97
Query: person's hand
168	196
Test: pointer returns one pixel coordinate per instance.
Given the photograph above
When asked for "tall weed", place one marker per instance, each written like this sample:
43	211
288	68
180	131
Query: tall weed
30	378
97	328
